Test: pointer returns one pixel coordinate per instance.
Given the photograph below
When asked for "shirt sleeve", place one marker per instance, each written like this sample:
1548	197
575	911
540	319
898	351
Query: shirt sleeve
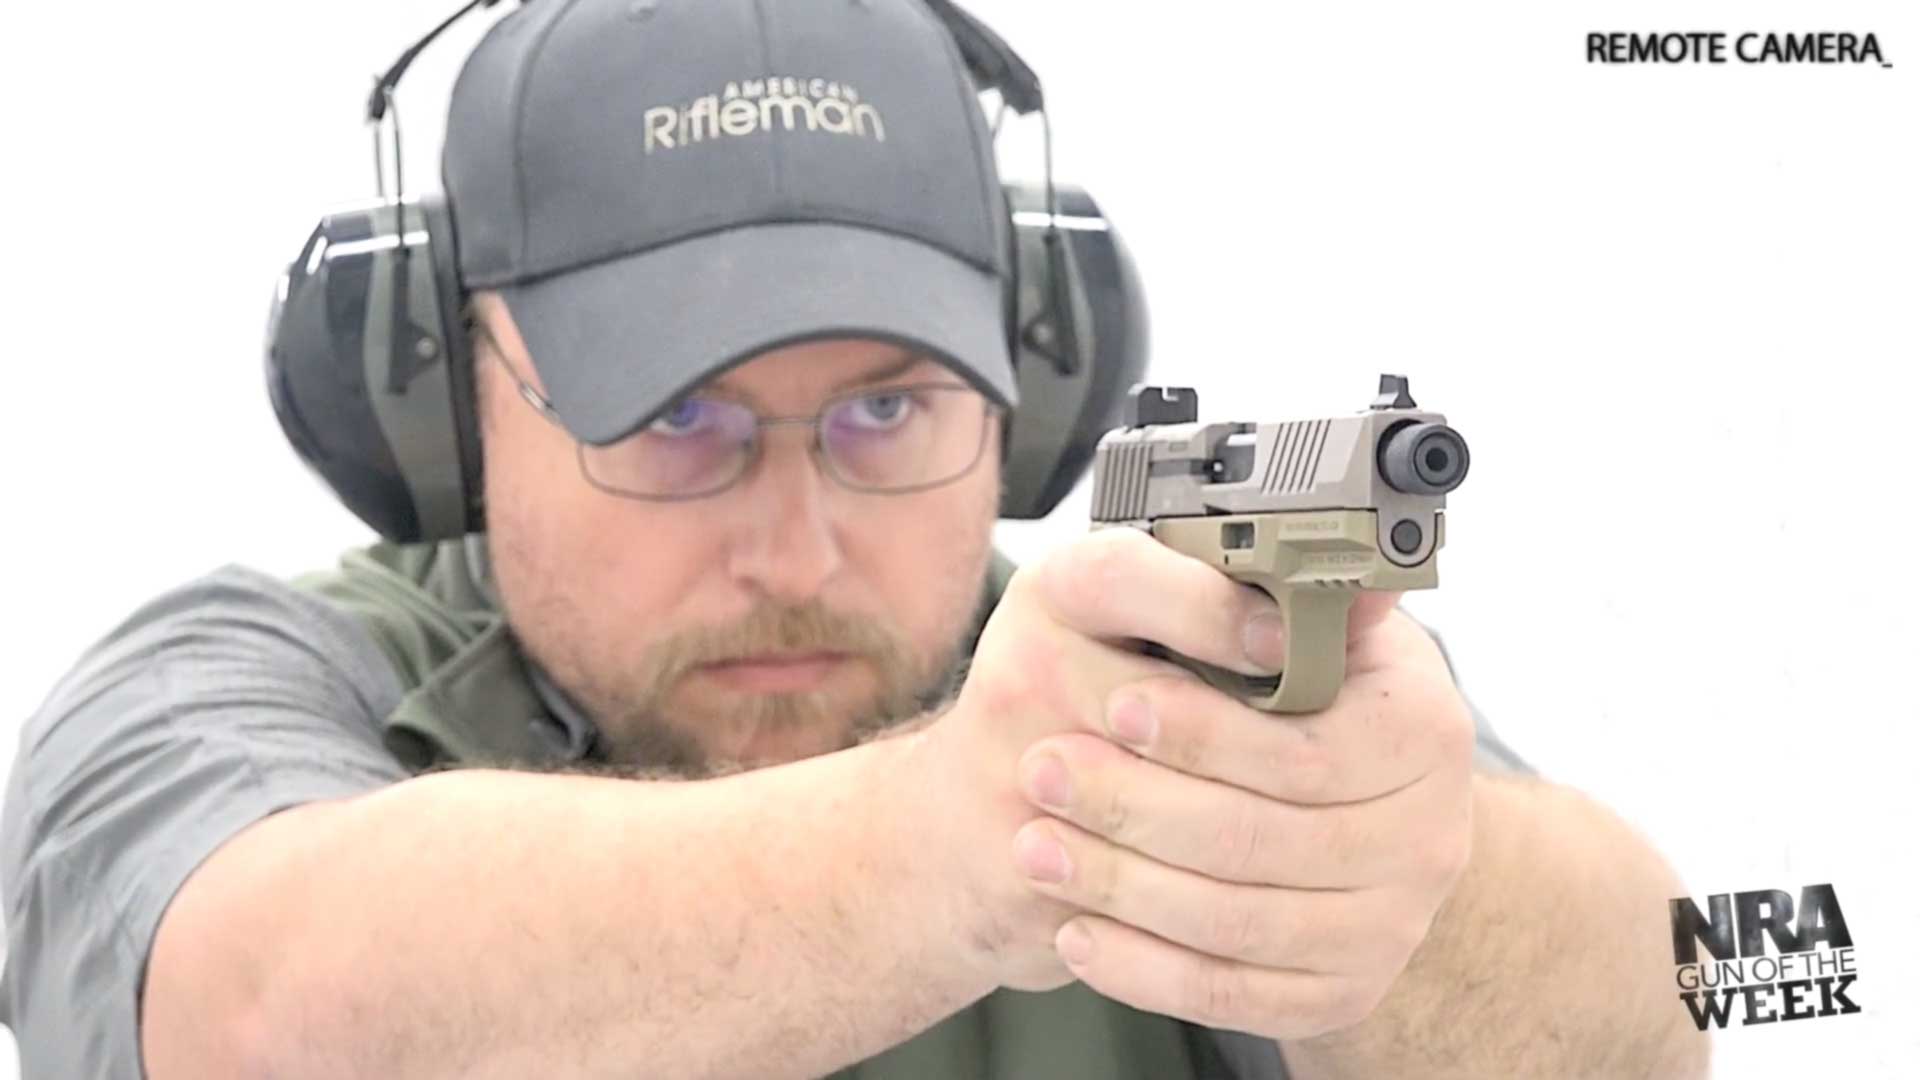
212	707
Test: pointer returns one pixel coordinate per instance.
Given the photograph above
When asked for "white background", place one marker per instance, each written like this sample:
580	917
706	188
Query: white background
1674	310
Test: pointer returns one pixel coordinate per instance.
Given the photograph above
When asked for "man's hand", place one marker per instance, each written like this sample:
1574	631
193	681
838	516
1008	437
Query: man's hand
1180	851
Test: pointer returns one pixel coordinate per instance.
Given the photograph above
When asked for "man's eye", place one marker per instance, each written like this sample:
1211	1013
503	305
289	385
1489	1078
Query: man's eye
878	412
685	418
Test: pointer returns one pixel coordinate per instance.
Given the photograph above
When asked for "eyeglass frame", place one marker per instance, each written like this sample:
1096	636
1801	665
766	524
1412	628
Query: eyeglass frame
757	445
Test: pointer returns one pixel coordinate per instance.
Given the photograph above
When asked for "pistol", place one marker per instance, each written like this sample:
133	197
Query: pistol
1306	510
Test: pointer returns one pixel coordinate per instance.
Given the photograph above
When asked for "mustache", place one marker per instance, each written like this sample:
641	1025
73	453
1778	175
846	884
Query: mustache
808	627
660	745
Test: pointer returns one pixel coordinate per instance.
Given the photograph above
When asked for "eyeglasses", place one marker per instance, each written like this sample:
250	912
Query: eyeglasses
887	440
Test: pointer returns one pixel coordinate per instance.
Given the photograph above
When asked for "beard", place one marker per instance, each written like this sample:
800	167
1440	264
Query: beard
651	724
656	718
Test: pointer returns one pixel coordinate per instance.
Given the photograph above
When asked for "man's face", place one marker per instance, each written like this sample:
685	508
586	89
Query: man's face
784	617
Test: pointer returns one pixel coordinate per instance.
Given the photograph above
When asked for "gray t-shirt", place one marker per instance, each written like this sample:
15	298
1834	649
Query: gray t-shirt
211	707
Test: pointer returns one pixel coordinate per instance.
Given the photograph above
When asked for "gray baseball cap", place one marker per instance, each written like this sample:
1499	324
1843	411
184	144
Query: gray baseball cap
662	189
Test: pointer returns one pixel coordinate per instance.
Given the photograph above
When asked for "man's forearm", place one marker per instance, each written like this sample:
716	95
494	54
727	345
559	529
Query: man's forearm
1549	959
772	923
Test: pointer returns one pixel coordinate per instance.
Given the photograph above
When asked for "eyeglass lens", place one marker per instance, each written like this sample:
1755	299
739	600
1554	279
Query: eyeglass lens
891	439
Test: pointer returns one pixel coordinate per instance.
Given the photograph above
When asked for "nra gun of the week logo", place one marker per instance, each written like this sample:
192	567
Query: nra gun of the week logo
1803	981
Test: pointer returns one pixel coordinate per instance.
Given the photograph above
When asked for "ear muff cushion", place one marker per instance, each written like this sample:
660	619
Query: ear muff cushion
444	242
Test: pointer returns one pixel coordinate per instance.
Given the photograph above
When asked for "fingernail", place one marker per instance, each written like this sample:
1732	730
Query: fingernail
1132	721
1073	943
1265	641
1048	783
1041	857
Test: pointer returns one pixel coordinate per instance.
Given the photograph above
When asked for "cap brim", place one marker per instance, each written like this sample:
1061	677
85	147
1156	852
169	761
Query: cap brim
616	342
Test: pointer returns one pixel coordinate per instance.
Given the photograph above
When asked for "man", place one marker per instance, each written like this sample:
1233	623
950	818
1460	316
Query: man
740	397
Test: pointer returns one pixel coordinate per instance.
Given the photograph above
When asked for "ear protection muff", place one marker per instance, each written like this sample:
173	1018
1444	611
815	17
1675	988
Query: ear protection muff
369	368
370	371
1081	327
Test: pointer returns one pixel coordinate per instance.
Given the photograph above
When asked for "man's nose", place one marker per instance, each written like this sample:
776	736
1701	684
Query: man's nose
786	544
